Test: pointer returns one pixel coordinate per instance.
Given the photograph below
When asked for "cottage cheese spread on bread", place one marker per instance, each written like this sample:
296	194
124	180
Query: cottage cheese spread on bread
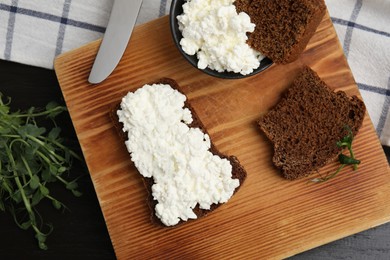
217	33
163	146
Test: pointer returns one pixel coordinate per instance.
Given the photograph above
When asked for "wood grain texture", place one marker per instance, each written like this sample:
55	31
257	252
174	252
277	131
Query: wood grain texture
269	218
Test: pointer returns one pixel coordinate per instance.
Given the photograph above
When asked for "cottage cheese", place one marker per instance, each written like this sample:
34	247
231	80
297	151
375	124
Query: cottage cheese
214	31
163	146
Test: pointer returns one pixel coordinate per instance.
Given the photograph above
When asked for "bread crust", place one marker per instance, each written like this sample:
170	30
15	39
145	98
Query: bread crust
306	124
283	27
311	28
238	171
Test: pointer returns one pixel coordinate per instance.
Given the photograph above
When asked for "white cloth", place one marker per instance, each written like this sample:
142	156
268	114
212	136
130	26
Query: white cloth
34	32
363	27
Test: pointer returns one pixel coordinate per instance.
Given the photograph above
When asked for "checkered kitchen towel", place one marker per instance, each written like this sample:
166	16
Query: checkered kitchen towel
35	31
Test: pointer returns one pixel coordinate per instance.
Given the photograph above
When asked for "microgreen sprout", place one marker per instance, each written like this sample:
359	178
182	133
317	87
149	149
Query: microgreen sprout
345	142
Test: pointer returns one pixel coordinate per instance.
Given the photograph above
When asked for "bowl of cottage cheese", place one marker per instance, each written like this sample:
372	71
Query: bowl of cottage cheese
212	36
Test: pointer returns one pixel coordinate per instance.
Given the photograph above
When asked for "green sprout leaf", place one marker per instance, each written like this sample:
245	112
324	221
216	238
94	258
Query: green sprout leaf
34	182
44	191
344	159
77	193
54	133
25	225
56	204
72	185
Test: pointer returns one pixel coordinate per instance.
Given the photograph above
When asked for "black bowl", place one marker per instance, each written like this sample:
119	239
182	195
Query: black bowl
177	9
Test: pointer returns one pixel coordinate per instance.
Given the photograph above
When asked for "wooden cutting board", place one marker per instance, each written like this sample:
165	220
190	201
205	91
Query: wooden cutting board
269	217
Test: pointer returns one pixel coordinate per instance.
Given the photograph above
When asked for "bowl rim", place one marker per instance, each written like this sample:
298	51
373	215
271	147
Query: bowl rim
175	10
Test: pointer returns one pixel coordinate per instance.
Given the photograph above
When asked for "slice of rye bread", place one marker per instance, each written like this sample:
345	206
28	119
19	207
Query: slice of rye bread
284	27
238	171
306	124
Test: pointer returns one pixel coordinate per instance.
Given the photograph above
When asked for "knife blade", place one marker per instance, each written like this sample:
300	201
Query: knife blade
116	37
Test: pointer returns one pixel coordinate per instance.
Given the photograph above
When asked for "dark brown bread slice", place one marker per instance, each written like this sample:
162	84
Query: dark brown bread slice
283	27
306	124
238	171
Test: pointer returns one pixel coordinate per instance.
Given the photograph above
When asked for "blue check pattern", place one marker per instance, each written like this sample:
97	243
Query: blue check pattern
362	26
11	11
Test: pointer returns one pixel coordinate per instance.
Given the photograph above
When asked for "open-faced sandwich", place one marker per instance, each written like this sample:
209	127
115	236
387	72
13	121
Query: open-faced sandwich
185	175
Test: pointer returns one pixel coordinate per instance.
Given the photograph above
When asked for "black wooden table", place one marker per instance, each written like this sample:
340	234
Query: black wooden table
80	233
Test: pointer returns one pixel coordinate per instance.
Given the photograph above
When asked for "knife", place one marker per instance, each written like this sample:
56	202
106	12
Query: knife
120	26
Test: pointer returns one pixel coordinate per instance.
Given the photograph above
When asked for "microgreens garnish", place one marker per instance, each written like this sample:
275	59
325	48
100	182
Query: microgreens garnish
30	159
345	142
